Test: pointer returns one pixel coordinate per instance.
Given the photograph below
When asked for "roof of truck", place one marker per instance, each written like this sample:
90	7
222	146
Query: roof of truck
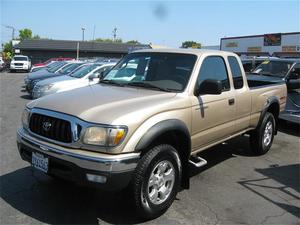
185	50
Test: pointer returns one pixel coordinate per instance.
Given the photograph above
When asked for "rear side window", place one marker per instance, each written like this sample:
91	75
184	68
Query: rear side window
213	67
236	72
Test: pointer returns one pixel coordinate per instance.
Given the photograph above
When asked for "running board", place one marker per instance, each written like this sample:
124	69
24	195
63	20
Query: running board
197	161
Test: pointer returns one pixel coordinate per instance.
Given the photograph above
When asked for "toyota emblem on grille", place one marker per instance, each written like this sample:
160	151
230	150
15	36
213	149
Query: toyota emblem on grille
47	126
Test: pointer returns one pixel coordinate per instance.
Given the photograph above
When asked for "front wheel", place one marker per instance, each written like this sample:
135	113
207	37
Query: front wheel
156	181
261	139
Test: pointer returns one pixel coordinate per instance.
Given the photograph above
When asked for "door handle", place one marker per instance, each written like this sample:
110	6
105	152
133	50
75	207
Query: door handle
231	101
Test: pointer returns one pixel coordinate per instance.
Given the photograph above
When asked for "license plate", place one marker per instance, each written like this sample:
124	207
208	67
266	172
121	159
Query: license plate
40	162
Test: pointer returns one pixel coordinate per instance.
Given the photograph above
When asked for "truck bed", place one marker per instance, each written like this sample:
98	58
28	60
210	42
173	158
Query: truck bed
257	81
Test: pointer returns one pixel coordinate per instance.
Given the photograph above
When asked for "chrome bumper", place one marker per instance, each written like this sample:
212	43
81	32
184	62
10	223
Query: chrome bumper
84	159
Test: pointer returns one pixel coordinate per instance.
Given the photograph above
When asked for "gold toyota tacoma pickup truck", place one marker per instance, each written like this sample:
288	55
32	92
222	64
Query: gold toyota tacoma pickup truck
147	119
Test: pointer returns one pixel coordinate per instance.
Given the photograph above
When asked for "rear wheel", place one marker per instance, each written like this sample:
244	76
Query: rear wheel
262	138
156	181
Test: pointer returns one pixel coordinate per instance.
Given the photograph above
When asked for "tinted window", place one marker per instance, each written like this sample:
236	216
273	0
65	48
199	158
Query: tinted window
236	72
69	68
56	66
20	58
84	70
213	67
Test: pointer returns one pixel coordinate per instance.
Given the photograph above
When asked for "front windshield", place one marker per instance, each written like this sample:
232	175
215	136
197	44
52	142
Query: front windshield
165	71
53	64
20	58
273	68
55	67
84	70
69	68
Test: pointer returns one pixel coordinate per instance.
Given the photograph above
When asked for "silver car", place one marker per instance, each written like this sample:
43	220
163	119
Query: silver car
87	74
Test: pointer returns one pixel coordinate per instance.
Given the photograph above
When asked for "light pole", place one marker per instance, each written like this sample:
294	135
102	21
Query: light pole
83	29
13	31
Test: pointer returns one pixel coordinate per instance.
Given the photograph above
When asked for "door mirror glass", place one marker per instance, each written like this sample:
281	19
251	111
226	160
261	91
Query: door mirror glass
209	86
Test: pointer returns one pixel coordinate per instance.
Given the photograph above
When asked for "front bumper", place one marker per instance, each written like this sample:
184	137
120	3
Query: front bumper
75	164
21	67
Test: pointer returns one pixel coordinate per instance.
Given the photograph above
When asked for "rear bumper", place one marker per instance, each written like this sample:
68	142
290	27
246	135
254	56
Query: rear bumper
75	164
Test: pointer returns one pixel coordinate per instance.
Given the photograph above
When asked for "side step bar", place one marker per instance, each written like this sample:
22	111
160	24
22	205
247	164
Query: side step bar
197	161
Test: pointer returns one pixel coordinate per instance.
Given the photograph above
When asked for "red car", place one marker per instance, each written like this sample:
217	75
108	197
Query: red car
50	60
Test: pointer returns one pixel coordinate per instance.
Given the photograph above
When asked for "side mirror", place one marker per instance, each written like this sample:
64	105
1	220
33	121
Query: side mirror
91	77
209	86
101	75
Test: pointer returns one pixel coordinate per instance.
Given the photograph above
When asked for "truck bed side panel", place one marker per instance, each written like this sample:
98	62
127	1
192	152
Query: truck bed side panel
260	96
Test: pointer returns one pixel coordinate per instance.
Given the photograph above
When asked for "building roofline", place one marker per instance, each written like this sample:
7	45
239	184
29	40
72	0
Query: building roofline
259	35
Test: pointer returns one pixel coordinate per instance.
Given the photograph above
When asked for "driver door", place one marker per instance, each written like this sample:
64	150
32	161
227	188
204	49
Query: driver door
213	116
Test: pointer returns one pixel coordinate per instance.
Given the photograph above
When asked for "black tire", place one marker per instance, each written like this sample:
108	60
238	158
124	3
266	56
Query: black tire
151	160
257	139
11	71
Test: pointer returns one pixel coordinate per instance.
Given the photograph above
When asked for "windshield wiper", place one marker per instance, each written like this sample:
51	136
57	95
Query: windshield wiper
148	85
111	82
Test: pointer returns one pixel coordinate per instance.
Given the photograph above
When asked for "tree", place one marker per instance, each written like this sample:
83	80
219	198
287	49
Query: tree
36	37
7	47
108	40
134	42
190	44
25	34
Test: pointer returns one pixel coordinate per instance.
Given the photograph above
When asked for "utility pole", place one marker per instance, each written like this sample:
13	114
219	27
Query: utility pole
94	32
114	34
13	31
83	29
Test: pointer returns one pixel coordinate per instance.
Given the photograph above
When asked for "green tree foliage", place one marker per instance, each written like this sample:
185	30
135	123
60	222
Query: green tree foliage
25	34
36	37
190	44
135	42
108	40
7	47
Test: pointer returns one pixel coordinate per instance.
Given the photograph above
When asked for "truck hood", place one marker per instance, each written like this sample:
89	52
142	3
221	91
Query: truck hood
107	104
56	80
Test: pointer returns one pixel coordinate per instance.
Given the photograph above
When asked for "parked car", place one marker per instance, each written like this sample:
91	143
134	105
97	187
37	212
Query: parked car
87	74
2	64
20	62
51	60
61	69
145	129
287	70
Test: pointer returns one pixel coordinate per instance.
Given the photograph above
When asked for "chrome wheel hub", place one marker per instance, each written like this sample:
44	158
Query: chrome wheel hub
161	182
268	133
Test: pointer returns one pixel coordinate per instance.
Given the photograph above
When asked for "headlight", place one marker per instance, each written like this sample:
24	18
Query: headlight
25	118
103	136
45	87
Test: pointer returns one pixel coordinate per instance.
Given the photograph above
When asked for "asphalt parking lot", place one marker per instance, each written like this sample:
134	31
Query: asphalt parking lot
234	188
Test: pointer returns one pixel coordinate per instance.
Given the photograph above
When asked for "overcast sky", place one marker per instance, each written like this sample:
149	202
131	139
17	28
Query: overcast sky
159	22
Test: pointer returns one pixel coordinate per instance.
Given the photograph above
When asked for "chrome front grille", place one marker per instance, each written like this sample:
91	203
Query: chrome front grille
51	127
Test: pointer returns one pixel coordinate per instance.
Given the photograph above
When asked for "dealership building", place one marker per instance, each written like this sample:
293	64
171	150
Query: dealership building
279	44
42	49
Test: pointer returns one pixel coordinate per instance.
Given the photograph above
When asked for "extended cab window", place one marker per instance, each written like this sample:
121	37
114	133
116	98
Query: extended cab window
213	67
236	72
